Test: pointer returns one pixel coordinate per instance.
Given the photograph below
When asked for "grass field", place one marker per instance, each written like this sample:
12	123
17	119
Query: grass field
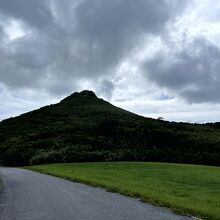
186	189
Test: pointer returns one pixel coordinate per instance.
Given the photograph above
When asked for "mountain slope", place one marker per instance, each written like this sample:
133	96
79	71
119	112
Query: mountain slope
83	127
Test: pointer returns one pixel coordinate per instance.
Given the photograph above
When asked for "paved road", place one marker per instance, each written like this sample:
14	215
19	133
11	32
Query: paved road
28	195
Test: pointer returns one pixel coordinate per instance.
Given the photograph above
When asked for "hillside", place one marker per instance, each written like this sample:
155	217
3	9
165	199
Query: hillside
83	127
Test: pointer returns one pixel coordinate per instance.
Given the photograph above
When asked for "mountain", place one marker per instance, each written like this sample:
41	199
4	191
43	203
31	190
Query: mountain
83	127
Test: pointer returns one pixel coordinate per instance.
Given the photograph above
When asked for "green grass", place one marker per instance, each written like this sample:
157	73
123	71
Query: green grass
186	189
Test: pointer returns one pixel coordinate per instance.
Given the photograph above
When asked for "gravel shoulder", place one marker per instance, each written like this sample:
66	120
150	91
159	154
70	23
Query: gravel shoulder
27	195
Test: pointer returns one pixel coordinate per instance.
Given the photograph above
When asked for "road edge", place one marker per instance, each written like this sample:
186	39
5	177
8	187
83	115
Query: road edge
114	190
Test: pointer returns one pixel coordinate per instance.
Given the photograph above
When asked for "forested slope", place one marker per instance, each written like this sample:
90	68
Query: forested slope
83	127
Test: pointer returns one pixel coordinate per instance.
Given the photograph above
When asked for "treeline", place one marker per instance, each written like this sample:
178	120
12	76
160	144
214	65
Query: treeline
83	129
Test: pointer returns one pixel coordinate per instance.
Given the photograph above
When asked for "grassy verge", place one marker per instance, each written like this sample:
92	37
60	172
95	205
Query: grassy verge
186	189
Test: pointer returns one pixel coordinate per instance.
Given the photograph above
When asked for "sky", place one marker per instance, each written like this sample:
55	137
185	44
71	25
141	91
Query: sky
156	58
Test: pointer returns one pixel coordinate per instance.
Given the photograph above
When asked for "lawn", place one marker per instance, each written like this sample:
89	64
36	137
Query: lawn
186	189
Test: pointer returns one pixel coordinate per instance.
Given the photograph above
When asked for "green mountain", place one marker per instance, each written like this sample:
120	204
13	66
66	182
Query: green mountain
83	127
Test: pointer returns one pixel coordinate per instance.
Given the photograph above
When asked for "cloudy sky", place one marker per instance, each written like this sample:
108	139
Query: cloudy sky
157	58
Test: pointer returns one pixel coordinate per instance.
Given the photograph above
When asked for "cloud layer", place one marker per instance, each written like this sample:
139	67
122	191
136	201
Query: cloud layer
145	50
191	72
88	41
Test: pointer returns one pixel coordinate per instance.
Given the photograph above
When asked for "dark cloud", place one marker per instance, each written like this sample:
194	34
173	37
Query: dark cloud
193	72
35	13
1	33
106	88
75	40
24	62
50	48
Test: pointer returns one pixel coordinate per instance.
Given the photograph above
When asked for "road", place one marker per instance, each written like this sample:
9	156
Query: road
27	195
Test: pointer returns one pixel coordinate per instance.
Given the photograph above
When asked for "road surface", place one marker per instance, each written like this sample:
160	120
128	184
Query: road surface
27	195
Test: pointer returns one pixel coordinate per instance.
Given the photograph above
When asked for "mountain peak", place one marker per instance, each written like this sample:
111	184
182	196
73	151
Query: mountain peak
82	94
85	93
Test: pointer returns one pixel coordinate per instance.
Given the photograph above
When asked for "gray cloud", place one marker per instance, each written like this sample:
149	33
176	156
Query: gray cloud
1	33
109	31
106	88
192	73
82	44
35	13
64	43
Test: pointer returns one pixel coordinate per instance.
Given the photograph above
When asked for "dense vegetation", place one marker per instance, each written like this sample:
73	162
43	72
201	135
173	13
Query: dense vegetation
83	127
187	189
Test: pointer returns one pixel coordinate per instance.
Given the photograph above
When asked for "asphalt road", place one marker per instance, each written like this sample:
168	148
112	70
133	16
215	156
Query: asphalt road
28	195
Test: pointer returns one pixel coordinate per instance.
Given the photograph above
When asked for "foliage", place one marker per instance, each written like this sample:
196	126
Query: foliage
83	127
